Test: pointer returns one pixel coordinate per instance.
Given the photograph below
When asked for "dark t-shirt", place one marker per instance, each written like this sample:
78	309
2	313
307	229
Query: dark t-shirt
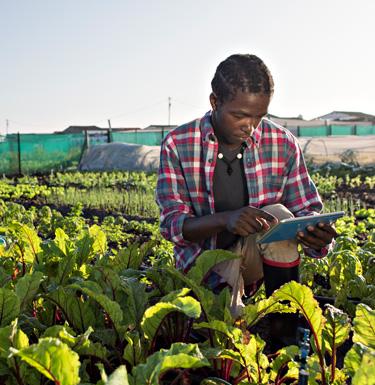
230	191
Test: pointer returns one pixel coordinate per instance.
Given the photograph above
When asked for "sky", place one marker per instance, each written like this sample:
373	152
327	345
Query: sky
84	62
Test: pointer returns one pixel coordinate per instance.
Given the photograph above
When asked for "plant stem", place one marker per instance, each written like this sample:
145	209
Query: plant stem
319	350
333	364
229	368
17	372
180	374
246	369
188	329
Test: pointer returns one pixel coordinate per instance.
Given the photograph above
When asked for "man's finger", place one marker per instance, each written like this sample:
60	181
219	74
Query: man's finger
245	228
325	232
265	225
263	214
328	228
311	241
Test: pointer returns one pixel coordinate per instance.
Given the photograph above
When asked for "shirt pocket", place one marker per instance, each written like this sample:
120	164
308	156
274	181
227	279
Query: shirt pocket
273	189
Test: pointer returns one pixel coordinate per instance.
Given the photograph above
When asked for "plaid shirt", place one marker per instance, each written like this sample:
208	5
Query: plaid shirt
275	172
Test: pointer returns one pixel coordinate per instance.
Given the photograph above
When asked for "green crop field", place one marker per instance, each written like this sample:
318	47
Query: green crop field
89	293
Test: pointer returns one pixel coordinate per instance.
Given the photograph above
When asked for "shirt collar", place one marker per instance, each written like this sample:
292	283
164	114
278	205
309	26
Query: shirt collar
209	135
257	133
207	128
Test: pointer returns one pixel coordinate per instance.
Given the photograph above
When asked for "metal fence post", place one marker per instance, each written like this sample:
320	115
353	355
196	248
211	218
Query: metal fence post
85	146
19	153
87	140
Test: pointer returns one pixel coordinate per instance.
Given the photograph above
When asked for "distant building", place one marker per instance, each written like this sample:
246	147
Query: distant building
291	123
160	127
93	129
347	116
333	119
294	122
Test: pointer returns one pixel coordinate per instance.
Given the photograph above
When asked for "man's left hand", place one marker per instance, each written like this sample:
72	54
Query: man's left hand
317	237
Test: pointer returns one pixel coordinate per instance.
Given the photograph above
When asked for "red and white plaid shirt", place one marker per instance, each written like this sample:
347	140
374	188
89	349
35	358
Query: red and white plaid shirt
274	168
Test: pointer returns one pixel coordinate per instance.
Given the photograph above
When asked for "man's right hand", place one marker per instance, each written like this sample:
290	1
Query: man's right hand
244	221
249	220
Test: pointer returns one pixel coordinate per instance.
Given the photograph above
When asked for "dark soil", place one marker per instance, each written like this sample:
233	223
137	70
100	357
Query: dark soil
88	213
363	194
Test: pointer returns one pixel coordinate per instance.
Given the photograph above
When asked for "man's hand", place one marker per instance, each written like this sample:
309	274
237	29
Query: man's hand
249	220
317	236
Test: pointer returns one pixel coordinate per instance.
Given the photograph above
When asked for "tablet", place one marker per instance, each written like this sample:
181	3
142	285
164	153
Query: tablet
288	228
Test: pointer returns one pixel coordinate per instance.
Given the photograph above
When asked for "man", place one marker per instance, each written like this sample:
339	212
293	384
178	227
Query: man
227	177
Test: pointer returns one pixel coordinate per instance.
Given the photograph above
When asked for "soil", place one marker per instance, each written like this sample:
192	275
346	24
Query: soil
363	193
88	213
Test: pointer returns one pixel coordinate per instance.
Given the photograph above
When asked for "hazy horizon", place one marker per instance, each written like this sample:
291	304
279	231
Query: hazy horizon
83	62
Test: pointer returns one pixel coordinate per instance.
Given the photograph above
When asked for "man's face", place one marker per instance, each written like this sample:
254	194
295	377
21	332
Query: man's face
235	120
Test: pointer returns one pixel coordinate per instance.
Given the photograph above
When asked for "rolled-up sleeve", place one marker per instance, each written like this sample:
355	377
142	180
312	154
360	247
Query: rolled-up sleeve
172	195
300	192
301	196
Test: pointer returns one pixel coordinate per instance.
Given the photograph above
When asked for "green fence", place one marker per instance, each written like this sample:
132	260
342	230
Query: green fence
148	138
335	129
41	153
33	153
365	130
312	131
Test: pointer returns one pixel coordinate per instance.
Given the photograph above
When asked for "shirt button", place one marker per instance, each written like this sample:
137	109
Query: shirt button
210	160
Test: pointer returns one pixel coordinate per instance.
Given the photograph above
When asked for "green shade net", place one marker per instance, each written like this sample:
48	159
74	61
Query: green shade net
365	130
40	152
342	130
148	138
314	131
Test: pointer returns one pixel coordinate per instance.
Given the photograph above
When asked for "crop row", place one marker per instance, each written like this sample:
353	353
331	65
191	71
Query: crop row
88	299
76	311
133	193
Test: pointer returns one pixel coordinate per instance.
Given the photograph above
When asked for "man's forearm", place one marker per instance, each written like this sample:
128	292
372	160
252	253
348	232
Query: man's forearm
200	228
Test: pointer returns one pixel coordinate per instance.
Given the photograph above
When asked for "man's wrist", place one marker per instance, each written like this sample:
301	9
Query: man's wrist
222	220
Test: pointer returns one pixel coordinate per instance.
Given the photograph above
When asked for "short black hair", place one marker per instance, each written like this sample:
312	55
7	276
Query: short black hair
242	72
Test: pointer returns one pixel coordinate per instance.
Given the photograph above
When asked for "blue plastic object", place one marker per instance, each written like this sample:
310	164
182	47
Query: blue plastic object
304	346
288	228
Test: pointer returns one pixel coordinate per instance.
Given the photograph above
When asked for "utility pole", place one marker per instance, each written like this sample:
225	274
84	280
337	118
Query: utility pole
169	117
169	110
7	127
109	138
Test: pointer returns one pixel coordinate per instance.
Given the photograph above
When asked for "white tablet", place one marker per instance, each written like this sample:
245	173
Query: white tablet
288	228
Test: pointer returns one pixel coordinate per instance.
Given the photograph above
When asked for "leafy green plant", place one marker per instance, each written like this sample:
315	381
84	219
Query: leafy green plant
105	293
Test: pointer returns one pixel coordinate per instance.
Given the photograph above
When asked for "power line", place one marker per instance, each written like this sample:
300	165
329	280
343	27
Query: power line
26	124
169	110
188	104
143	108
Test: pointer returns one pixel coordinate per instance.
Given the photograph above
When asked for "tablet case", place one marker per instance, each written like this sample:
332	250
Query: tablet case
288	228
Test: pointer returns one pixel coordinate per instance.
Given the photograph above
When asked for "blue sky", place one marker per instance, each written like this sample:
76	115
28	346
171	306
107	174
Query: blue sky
82	62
